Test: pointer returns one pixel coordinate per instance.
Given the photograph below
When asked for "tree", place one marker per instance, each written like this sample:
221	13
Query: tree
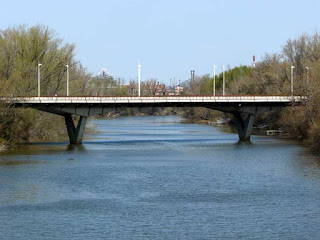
22	48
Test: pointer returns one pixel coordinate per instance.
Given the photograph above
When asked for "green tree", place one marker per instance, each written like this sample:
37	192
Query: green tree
21	49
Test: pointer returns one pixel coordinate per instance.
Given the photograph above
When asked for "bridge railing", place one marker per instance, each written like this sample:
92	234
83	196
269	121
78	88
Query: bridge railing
181	98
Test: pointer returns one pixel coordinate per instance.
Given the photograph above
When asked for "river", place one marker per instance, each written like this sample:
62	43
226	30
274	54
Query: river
157	178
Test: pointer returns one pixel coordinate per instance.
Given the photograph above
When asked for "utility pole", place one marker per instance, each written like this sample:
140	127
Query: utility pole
214	80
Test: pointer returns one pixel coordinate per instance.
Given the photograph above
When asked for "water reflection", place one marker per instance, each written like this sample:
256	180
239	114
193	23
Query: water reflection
7	162
79	147
308	164
244	143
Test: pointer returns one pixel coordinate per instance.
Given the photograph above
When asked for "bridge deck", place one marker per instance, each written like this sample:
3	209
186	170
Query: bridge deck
153	99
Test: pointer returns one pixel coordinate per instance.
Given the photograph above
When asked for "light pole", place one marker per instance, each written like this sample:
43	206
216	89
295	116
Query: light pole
39	65
307	87
214	80
224	82
292	67
67	79
192	75
139	78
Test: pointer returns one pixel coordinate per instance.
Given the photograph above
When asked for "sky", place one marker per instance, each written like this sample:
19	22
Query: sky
167	37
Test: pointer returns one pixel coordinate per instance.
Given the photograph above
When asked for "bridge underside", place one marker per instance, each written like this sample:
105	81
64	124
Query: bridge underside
244	113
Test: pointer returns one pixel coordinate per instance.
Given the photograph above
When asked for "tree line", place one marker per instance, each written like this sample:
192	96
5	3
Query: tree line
22	48
272	76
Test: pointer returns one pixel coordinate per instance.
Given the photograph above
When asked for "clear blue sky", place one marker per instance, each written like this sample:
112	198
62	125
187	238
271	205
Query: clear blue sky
169	38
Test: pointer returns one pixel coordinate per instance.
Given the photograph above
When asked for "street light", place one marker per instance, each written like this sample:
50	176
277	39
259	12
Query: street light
224	82
307	87
67	79
139	78
292	67
39	65
192	76
214	80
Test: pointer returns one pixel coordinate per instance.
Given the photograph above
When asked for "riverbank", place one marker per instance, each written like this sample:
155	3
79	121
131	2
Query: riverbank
3	147
229	126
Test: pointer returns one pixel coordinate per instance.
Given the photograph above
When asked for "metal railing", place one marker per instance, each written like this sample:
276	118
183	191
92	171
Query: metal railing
128	99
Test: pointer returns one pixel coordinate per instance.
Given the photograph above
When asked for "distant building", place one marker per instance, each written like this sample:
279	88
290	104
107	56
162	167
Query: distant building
174	90
178	90
158	89
133	88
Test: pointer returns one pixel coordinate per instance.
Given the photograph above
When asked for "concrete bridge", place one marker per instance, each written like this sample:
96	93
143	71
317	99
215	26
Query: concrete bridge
244	108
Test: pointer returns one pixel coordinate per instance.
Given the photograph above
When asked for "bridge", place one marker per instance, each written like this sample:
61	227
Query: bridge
244	108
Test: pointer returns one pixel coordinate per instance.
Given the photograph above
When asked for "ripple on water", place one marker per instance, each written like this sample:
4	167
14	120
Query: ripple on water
156	178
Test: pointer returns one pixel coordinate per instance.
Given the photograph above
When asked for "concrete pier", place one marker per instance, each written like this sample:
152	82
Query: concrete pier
244	125
75	133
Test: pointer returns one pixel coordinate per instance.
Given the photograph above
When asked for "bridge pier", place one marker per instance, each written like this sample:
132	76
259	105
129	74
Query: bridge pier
244	125
75	133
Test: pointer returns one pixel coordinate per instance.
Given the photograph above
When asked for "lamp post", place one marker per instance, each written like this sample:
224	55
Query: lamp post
224	82
192	75
67	80
39	65
307	87
292	67
139	78
214	80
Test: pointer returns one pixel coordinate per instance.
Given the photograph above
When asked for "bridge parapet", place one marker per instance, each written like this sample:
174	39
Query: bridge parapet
152	99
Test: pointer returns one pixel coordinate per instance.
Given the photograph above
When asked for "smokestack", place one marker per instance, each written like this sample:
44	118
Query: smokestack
254	61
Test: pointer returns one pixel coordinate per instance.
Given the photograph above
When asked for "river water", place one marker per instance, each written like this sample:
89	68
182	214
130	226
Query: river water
156	178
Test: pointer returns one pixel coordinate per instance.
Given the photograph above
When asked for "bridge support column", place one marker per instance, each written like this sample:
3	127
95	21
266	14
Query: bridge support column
75	133
245	125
